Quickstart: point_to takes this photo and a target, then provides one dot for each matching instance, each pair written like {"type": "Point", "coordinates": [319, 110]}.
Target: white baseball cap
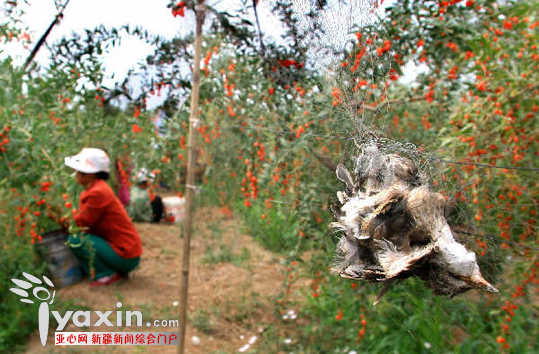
{"type": "Point", "coordinates": [144, 176]}
{"type": "Point", "coordinates": [89, 160]}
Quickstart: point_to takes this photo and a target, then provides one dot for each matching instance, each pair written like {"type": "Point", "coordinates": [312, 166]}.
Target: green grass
{"type": "Point", "coordinates": [216, 231]}
{"type": "Point", "coordinates": [224, 254]}
{"type": "Point", "coordinates": [278, 232]}
{"type": "Point", "coordinates": [243, 309]}
{"type": "Point", "coordinates": [202, 321]}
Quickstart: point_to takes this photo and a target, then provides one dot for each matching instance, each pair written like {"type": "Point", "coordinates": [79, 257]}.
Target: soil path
{"type": "Point", "coordinates": [233, 285]}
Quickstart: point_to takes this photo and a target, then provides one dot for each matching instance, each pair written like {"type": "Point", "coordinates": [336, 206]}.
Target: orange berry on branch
{"type": "Point", "coordinates": [362, 332]}
{"type": "Point", "coordinates": [339, 315]}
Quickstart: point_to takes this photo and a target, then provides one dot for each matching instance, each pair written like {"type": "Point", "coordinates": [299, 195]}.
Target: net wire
{"type": "Point", "coordinates": [339, 21]}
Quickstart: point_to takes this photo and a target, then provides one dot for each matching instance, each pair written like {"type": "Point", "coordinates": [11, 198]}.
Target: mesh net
{"type": "Point", "coordinates": [365, 121]}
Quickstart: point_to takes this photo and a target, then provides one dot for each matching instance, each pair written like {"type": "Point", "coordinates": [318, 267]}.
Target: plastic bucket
{"type": "Point", "coordinates": [174, 209]}
{"type": "Point", "coordinates": [61, 263]}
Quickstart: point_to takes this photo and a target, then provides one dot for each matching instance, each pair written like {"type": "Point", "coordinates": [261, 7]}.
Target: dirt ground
{"type": "Point", "coordinates": [229, 302]}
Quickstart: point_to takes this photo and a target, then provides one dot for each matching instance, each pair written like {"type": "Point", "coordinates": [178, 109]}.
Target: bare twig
{"type": "Point", "coordinates": [262, 47]}
{"type": "Point", "coordinates": [39, 43]}
{"type": "Point", "coordinates": [326, 161]}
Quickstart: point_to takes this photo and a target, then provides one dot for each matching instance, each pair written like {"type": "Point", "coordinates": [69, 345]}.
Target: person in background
{"type": "Point", "coordinates": [110, 246]}
{"type": "Point", "coordinates": [144, 205]}
{"type": "Point", "coordinates": [123, 173]}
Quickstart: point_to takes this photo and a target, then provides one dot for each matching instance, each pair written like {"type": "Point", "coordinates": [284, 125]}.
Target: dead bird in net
{"type": "Point", "coordinates": [394, 227]}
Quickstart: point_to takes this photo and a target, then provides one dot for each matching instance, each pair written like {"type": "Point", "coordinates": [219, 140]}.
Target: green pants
{"type": "Point", "coordinates": [94, 252]}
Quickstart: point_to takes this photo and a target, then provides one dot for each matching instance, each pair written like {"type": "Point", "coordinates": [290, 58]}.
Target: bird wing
{"type": "Point", "coordinates": [358, 271]}
{"type": "Point", "coordinates": [395, 262]}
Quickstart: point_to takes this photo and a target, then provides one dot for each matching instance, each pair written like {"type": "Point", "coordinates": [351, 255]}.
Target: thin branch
{"type": "Point", "coordinates": [39, 43]}
{"type": "Point", "coordinates": [326, 161]}
{"type": "Point", "coordinates": [262, 47]}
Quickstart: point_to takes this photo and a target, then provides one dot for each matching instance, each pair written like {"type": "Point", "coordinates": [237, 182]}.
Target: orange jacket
{"type": "Point", "coordinates": [104, 215]}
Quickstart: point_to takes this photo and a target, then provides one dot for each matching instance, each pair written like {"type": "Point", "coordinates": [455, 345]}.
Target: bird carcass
{"type": "Point", "coordinates": [393, 227]}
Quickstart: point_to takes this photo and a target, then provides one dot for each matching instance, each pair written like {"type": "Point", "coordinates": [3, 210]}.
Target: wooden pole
{"type": "Point", "coordinates": [190, 183]}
